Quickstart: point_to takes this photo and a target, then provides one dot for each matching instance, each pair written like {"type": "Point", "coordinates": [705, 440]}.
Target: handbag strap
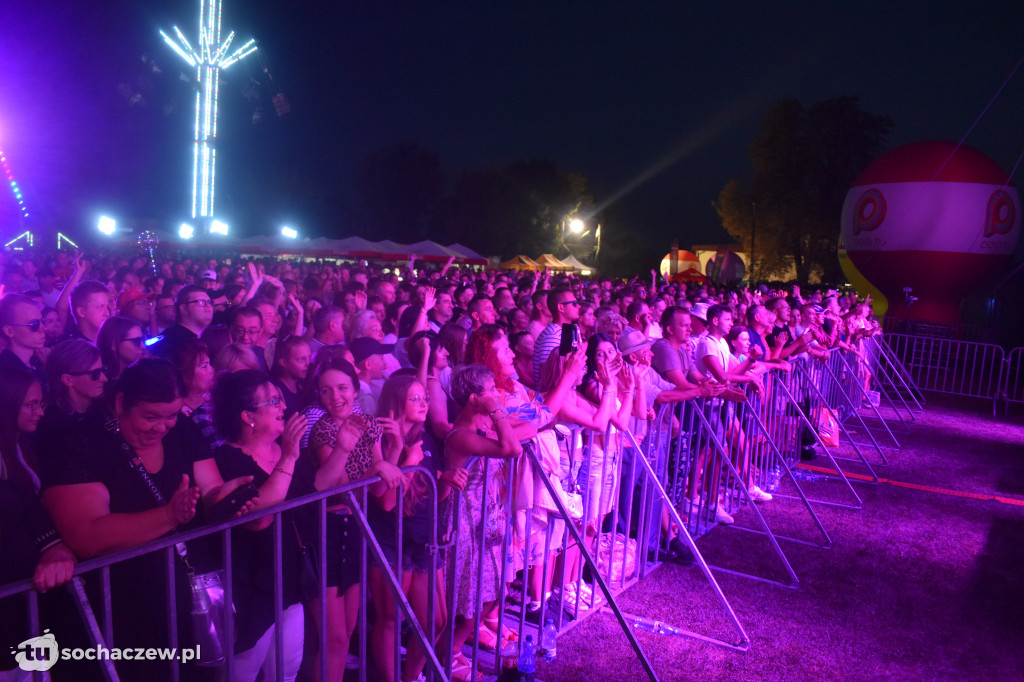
{"type": "Point", "coordinates": [136, 463]}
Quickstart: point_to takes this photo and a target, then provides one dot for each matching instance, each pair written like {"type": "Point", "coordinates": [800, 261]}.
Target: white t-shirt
{"type": "Point", "coordinates": [718, 348]}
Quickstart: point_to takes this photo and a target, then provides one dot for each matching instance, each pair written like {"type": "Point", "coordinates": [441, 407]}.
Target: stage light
{"type": "Point", "coordinates": [107, 225]}
{"type": "Point", "coordinates": [289, 233]}
{"type": "Point", "coordinates": [576, 225]}
{"type": "Point", "coordinates": [186, 231]}
{"type": "Point", "coordinates": [219, 227]}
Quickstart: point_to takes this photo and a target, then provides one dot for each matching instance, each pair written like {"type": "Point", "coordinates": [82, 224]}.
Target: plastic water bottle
{"type": "Point", "coordinates": [548, 638]}
{"type": "Point", "coordinates": [527, 664]}
{"type": "Point", "coordinates": [774, 477]}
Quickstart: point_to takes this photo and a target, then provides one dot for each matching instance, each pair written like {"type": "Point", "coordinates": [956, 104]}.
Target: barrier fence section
{"type": "Point", "coordinates": [101, 632]}
{"type": "Point", "coordinates": [561, 531]}
{"type": "Point", "coordinates": [961, 368]}
{"type": "Point", "coordinates": [1013, 387]}
{"type": "Point", "coordinates": [891, 379]}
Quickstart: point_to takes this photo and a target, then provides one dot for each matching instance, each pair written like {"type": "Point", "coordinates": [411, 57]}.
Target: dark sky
{"type": "Point", "coordinates": [611, 90]}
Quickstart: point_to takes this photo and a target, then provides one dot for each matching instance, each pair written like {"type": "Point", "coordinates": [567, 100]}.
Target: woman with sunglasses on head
{"type": "Point", "coordinates": [248, 412]}
{"type": "Point", "coordinates": [347, 447]}
{"type": "Point", "coordinates": [120, 343]}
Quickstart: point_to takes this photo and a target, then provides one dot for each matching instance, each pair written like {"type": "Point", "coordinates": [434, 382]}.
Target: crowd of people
{"type": "Point", "coordinates": [140, 399]}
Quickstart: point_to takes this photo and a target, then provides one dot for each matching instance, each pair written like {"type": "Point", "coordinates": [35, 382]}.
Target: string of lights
{"type": "Point", "coordinates": [15, 189]}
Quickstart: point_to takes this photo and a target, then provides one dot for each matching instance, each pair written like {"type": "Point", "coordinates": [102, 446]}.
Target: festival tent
{"type": "Point", "coordinates": [520, 262]}
{"type": "Point", "coordinates": [571, 261]}
{"type": "Point", "coordinates": [354, 247]}
{"type": "Point", "coordinates": [467, 253]}
{"type": "Point", "coordinates": [551, 263]}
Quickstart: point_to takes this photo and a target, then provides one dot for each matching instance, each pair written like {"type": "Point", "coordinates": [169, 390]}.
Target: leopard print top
{"type": "Point", "coordinates": [359, 461]}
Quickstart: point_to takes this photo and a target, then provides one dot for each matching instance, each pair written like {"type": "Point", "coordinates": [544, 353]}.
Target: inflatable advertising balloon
{"type": "Point", "coordinates": [931, 221]}
{"type": "Point", "coordinates": [681, 266]}
{"type": "Point", "coordinates": [726, 268]}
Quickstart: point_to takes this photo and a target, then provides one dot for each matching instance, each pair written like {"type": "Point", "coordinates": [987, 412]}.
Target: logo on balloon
{"type": "Point", "coordinates": [1000, 215]}
{"type": "Point", "coordinates": [869, 212]}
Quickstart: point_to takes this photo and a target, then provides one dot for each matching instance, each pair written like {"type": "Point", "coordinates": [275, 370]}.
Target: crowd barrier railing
{"type": "Point", "coordinates": [696, 455]}
{"type": "Point", "coordinates": [557, 550]}
{"type": "Point", "coordinates": [963, 368]}
{"type": "Point", "coordinates": [101, 632]}
{"type": "Point", "coordinates": [1013, 383]}
{"type": "Point", "coordinates": [891, 379]}
{"type": "Point", "coordinates": [853, 371]}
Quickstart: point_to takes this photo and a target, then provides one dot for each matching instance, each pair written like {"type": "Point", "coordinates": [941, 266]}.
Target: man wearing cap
{"type": "Point", "coordinates": [136, 305]}
{"type": "Point", "coordinates": [368, 354]}
{"type": "Point", "coordinates": [809, 329]}
{"type": "Point", "coordinates": [208, 280]}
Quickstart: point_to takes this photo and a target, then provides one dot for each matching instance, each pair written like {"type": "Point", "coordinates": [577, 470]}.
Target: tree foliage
{"type": "Point", "coordinates": [517, 209]}
{"type": "Point", "coordinates": [398, 190]}
{"type": "Point", "coordinates": [804, 161]}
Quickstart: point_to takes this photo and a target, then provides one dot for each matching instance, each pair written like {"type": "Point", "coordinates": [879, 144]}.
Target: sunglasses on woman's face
{"type": "Point", "coordinates": [137, 340]}
{"type": "Point", "coordinates": [93, 374]}
{"type": "Point", "coordinates": [33, 326]}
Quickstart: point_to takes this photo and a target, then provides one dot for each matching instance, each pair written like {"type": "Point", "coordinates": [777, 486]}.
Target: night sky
{"type": "Point", "coordinates": [613, 91]}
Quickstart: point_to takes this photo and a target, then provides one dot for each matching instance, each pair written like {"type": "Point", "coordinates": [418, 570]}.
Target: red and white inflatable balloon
{"type": "Point", "coordinates": [934, 217]}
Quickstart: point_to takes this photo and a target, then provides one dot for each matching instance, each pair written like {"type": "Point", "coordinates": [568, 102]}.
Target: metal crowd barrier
{"type": "Point", "coordinates": [695, 455]}
{"type": "Point", "coordinates": [891, 379]}
{"type": "Point", "coordinates": [100, 568]}
{"type": "Point", "coordinates": [1013, 387]}
{"type": "Point", "coordinates": [576, 549]}
{"type": "Point", "coordinates": [963, 368]}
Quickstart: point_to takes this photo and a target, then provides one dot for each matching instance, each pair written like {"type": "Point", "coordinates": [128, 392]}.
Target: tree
{"type": "Point", "coordinates": [804, 161]}
{"type": "Point", "coordinates": [398, 190]}
{"type": "Point", "coordinates": [518, 209]}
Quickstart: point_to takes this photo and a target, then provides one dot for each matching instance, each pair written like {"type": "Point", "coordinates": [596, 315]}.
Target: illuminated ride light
{"type": "Point", "coordinates": [15, 189]}
{"type": "Point", "coordinates": [186, 231]}
{"type": "Point", "coordinates": [13, 244]}
{"type": "Point", "coordinates": [63, 239]}
{"type": "Point", "coordinates": [219, 227]}
{"type": "Point", "coordinates": [289, 233]}
{"type": "Point", "coordinates": [208, 60]}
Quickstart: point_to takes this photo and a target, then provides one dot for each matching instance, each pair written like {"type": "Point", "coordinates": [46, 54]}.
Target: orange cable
{"type": "Point", "coordinates": [917, 486]}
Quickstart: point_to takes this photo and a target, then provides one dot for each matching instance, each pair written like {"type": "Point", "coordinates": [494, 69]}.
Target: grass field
{"type": "Point", "coordinates": [917, 585]}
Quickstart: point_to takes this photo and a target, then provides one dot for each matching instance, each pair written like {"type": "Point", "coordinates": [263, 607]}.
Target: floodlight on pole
{"type": "Point", "coordinates": [186, 231]}
{"type": "Point", "coordinates": [289, 233]}
{"type": "Point", "coordinates": [219, 227]}
{"type": "Point", "coordinates": [576, 225]}
{"type": "Point", "coordinates": [107, 225]}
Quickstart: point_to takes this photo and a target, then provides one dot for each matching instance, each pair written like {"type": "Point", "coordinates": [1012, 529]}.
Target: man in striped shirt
{"type": "Point", "coordinates": [564, 309]}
